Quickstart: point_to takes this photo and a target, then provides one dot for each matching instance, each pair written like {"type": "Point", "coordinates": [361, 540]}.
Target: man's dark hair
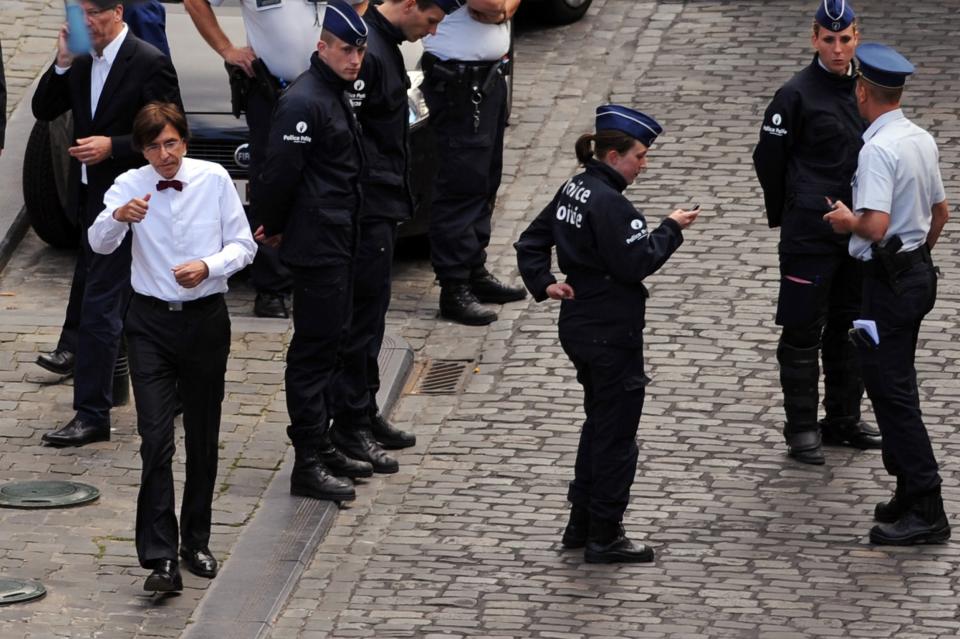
{"type": "Point", "coordinates": [105, 4]}
{"type": "Point", "coordinates": [598, 144]}
{"type": "Point", "coordinates": [153, 118]}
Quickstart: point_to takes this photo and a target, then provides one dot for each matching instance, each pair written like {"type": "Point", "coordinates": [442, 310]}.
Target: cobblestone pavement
{"type": "Point", "coordinates": [464, 540]}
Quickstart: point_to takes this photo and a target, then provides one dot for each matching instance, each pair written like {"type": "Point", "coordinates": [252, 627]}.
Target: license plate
{"type": "Point", "coordinates": [243, 189]}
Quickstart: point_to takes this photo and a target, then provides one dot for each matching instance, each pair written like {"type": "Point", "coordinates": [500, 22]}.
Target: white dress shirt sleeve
{"type": "Point", "coordinates": [876, 171]}
{"type": "Point", "coordinates": [106, 233]}
{"type": "Point", "coordinates": [238, 244]}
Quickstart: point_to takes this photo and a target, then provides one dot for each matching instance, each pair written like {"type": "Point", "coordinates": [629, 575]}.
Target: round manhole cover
{"type": "Point", "coordinates": [19, 590]}
{"type": "Point", "coordinates": [46, 494]}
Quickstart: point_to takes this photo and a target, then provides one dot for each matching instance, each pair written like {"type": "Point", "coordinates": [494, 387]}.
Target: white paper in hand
{"type": "Point", "coordinates": [870, 327]}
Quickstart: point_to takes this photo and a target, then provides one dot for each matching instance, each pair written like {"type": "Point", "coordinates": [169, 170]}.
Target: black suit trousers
{"type": "Point", "coordinates": [171, 350]}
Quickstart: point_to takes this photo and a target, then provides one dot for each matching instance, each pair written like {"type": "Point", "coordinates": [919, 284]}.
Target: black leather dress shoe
{"type": "Point", "coordinates": [200, 562]}
{"type": "Point", "coordinates": [57, 361]}
{"type": "Point", "coordinates": [164, 578]}
{"type": "Point", "coordinates": [77, 433]}
{"type": "Point", "coordinates": [852, 433]}
{"type": "Point", "coordinates": [459, 304]}
{"type": "Point", "coordinates": [270, 305]}
{"type": "Point", "coordinates": [490, 290]}
{"type": "Point", "coordinates": [358, 443]}
{"type": "Point", "coordinates": [342, 466]}
{"type": "Point", "coordinates": [608, 544]}
{"type": "Point", "coordinates": [575, 534]}
{"type": "Point", "coordinates": [388, 435]}
{"type": "Point", "coordinates": [804, 445]}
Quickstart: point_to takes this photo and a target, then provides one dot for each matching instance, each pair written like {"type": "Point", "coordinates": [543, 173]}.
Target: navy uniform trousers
{"type": "Point", "coordinates": [890, 375]}
{"type": "Point", "coordinates": [355, 393]}
{"type": "Point", "coordinates": [471, 165]}
{"type": "Point", "coordinates": [613, 392]}
{"type": "Point", "coordinates": [171, 350]}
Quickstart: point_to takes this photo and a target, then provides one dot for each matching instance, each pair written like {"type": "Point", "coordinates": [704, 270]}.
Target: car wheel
{"type": "Point", "coordinates": [565, 11]}
{"type": "Point", "coordinates": [43, 192]}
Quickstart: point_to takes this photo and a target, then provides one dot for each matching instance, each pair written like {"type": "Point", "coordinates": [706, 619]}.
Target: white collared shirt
{"type": "Point", "coordinates": [898, 172]}
{"type": "Point", "coordinates": [204, 221]}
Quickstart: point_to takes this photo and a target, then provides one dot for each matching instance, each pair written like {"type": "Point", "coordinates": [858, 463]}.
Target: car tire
{"type": "Point", "coordinates": [565, 11]}
{"type": "Point", "coordinates": [42, 192]}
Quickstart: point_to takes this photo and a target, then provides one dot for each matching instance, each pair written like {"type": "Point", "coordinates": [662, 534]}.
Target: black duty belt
{"type": "Point", "coordinates": [460, 67]}
{"type": "Point", "coordinates": [189, 305]}
{"type": "Point", "coordinates": [901, 262]}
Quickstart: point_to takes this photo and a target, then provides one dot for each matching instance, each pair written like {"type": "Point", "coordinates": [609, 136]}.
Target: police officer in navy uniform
{"type": "Point", "coordinates": [900, 210]}
{"type": "Point", "coordinates": [311, 179]}
{"type": "Point", "coordinates": [379, 97]}
{"type": "Point", "coordinates": [606, 249]}
{"type": "Point", "coordinates": [466, 92]}
{"type": "Point", "coordinates": [808, 150]}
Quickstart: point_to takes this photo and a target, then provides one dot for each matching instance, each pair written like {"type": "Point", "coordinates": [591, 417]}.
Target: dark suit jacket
{"type": "Point", "coordinates": [140, 74]}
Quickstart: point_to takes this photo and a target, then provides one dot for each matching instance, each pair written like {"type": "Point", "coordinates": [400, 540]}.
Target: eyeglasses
{"type": "Point", "coordinates": [168, 145]}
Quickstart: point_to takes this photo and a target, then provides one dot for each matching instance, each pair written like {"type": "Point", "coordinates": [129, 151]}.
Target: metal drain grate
{"type": "Point", "coordinates": [440, 377]}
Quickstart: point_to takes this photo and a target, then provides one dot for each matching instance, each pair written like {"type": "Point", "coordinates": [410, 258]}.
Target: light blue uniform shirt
{"type": "Point", "coordinates": [898, 172]}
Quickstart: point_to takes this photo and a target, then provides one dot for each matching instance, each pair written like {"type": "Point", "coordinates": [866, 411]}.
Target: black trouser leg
{"type": "Point", "coordinates": [614, 382]}
{"type": "Point", "coordinates": [470, 162]}
{"type": "Point", "coordinates": [71, 320]}
{"type": "Point", "coordinates": [354, 398]}
{"type": "Point", "coordinates": [321, 310]}
{"type": "Point", "coordinates": [106, 294]}
{"type": "Point", "coordinates": [267, 273]}
{"type": "Point", "coordinates": [202, 366]}
{"type": "Point", "coordinates": [890, 376]}
{"type": "Point", "coordinates": [842, 382]}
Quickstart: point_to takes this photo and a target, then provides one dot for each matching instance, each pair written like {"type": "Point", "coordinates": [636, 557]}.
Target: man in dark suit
{"type": "Point", "coordinates": [104, 89]}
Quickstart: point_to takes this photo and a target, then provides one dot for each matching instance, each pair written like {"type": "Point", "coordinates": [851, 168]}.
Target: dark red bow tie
{"type": "Point", "coordinates": [169, 184]}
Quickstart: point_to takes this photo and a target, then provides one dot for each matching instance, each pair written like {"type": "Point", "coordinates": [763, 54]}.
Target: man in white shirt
{"type": "Point", "coordinates": [901, 208]}
{"type": "Point", "coordinates": [190, 234]}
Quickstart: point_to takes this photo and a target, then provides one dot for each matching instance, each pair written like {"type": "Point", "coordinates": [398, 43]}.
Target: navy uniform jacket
{"type": "Point", "coordinates": [379, 98]}
{"type": "Point", "coordinates": [310, 182]}
{"type": "Point", "coordinates": [605, 248]}
{"type": "Point", "coordinates": [807, 151]}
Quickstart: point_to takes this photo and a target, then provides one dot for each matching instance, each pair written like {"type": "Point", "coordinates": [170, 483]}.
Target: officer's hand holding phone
{"type": "Point", "coordinates": [685, 218]}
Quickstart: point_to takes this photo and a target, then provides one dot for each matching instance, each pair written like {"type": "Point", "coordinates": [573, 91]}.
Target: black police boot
{"type": "Point", "coordinates": [340, 465]}
{"type": "Point", "coordinates": [924, 522]}
{"type": "Point", "coordinates": [358, 443]}
{"type": "Point", "coordinates": [270, 305]}
{"type": "Point", "coordinates": [842, 394]}
{"type": "Point", "coordinates": [489, 290]}
{"type": "Point", "coordinates": [799, 375]}
{"type": "Point", "coordinates": [890, 511]}
{"type": "Point", "coordinates": [459, 304]}
{"type": "Point", "coordinates": [311, 479]}
{"type": "Point", "coordinates": [578, 528]}
{"type": "Point", "coordinates": [388, 435]}
{"type": "Point", "coordinates": [608, 544]}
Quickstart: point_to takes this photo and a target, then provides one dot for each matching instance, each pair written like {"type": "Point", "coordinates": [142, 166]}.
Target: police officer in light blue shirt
{"type": "Point", "coordinates": [900, 209]}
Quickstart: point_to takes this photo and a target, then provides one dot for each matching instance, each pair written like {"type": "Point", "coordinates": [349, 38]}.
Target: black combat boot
{"type": "Point", "coordinates": [608, 544]}
{"type": "Point", "coordinates": [358, 443]}
{"type": "Point", "coordinates": [578, 528]}
{"type": "Point", "coordinates": [890, 511]}
{"type": "Point", "coordinates": [842, 394]}
{"type": "Point", "coordinates": [799, 375]}
{"type": "Point", "coordinates": [388, 435]}
{"type": "Point", "coordinates": [459, 304]}
{"type": "Point", "coordinates": [311, 479]}
{"type": "Point", "coordinates": [340, 465]}
{"type": "Point", "coordinates": [924, 522]}
{"type": "Point", "coordinates": [489, 290]}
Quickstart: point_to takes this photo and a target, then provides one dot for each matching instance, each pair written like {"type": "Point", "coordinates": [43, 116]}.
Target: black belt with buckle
{"type": "Point", "coordinates": [189, 305]}
{"type": "Point", "coordinates": [900, 262]}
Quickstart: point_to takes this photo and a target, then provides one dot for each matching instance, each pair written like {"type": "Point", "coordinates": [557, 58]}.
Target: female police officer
{"type": "Point", "coordinates": [606, 250]}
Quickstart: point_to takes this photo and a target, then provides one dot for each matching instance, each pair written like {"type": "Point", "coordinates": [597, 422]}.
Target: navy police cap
{"type": "Point", "coordinates": [343, 21]}
{"type": "Point", "coordinates": [635, 124]}
{"type": "Point", "coordinates": [882, 65]}
{"type": "Point", "coordinates": [449, 6]}
{"type": "Point", "coordinates": [835, 15]}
